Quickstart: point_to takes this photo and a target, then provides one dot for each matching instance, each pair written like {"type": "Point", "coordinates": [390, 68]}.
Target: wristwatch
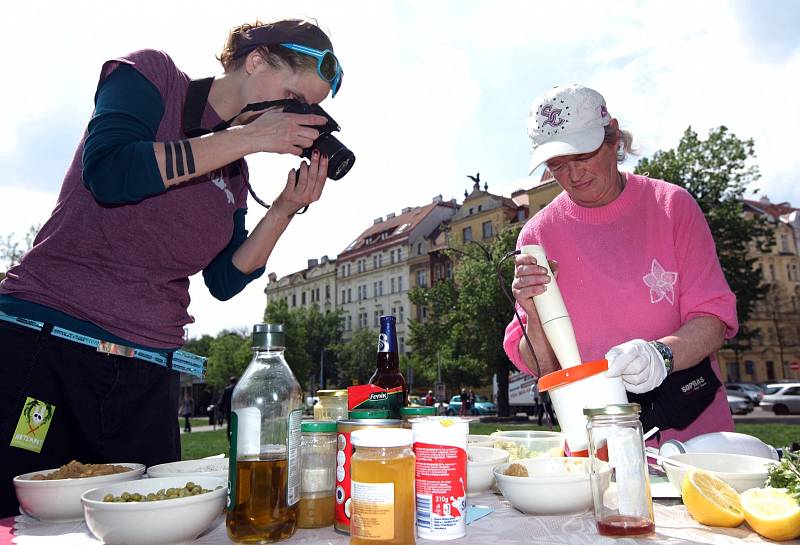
{"type": "Point", "coordinates": [666, 354]}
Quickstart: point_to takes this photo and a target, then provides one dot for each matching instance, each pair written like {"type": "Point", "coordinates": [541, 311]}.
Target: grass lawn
{"type": "Point", "coordinates": [209, 443]}
{"type": "Point", "coordinates": [194, 421]}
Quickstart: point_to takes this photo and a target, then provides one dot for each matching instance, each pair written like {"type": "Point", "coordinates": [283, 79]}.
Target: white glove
{"type": "Point", "coordinates": [639, 364]}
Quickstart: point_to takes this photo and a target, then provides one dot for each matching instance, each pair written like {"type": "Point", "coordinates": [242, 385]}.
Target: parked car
{"type": "Point", "coordinates": [482, 406]}
{"type": "Point", "coordinates": [747, 389]}
{"type": "Point", "coordinates": [739, 404]}
{"type": "Point", "coordinates": [782, 398]}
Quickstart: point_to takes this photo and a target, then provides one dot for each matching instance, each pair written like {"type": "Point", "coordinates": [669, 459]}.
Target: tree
{"type": "Point", "coordinates": [201, 346]}
{"type": "Point", "coordinates": [468, 316]}
{"type": "Point", "coordinates": [12, 250]}
{"type": "Point", "coordinates": [228, 356]}
{"type": "Point", "coordinates": [309, 332]}
{"type": "Point", "coordinates": [356, 358]}
{"type": "Point", "coordinates": [717, 171]}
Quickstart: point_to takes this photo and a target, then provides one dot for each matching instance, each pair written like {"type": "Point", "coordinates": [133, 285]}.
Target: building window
{"type": "Point", "coordinates": [449, 270]}
{"type": "Point", "coordinates": [421, 279]}
{"type": "Point", "coordinates": [470, 211]}
{"type": "Point", "coordinates": [400, 318]}
{"type": "Point", "coordinates": [400, 284]}
{"type": "Point", "coordinates": [391, 285]}
{"type": "Point", "coordinates": [391, 256]}
{"type": "Point", "coordinates": [772, 271]}
{"type": "Point", "coordinates": [349, 295]}
{"type": "Point", "coordinates": [380, 287]}
{"type": "Point", "coordinates": [770, 370]}
{"type": "Point", "coordinates": [344, 296]}
{"type": "Point", "coordinates": [327, 292]}
{"type": "Point", "coordinates": [317, 294]}
{"type": "Point", "coordinates": [467, 233]}
{"type": "Point", "coordinates": [487, 229]}
{"type": "Point", "coordinates": [303, 298]}
{"type": "Point", "coordinates": [480, 207]}
{"type": "Point", "coordinates": [520, 214]}
{"type": "Point", "coordinates": [419, 248]}
{"type": "Point", "coordinates": [733, 371]}
{"type": "Point", "coordinates": [380, 260]}
{"type": "Point", "coordinates": [394, 312]}
{"type": "Point", "coordinates": [784, 244]}
{"type": "Point", "coordinates": [377, 321]}
{"type": "Point", "coordinates": [402, 344]}
{"type": "Point", "coordinates": [749, 368]}
{"type": "Point", "coordinates": [399, 254]}
{"type": "Point", "coordinates": [294, 299]}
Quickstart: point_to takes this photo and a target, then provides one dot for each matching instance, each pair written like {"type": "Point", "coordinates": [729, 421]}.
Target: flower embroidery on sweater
{"type": "Point", "coordinates": [661, 283]}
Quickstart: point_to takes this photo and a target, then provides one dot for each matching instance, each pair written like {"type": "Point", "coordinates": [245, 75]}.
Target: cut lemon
{"type": "Point", "coordinates": [710, 500]}
{"type": "Point", "coordinates": [772, 513]}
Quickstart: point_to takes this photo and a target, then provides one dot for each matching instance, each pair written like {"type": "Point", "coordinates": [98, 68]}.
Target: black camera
{"type": "Point", "coordinates": [340, 159]}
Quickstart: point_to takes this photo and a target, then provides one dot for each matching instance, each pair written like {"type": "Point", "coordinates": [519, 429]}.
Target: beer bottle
{"type": "Point", "coordinates": [264, 470]}
{"type": "Point", "coordinates": [387, 374]}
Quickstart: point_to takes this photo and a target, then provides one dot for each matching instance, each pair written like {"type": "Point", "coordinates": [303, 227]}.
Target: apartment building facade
{"type": "Point", "coordinates": [314, 285]}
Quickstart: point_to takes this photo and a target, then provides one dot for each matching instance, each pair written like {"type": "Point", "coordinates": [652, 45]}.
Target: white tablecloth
{"type": "Point", "coordinates": [505, 526]}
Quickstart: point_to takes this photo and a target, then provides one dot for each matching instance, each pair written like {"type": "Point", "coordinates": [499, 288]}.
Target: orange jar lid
{"type": "Point", "coordinates": [571, 374]}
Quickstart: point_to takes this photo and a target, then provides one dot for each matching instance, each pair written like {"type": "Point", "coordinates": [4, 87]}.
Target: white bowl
{"type": "Point", "coordinates": [59, 500]}
{"type": "Point", "coordinates": [481, 462]}
{"type": "Point", "coordinates": [529, 444]}
{"type": "Point", "coordinates": [208, 467]}
{"type": "Point", "coordinates": [738, 470]}
{"type": "Point", "coordinates": [555, 486]}
{"type": "Point", "coordinates": [164, 522]}
{"type": "Point", "coordinates": [479, 441]}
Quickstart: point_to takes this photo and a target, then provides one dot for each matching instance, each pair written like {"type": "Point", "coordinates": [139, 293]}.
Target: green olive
{"type": "Point", "coordinates": [191, 489]}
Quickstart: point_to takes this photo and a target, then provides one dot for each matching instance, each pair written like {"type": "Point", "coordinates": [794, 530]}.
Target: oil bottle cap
{"type": "Point", "coordinates": [382, 437]}
{"type": "Point", "coordinates": [268, 336]}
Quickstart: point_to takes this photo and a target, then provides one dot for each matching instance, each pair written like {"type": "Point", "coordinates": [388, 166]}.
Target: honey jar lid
{"type": "Point", "coordinates": [382, 437]}
{"type": "Point", "coordinates": [331, 393]}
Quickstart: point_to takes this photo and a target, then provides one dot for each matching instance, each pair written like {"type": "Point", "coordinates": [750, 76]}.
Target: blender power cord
{"type": "Point", "coordinates": [513, 303]}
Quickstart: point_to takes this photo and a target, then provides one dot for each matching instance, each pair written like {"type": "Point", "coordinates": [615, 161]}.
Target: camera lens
{"type": "Point", "coordinates": [340, 159]}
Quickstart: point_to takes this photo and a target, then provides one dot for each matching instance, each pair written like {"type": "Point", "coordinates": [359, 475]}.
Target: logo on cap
{"type": "Point", "coordinates": [552, 116]}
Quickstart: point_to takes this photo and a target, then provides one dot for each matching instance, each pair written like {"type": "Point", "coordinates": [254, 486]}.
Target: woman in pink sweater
{"type": "Point", "coordinates": [637, 268]}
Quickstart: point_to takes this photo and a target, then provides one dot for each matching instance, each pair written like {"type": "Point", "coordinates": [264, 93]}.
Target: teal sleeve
{"type": "Point", "coordinates": [119, 164]}
{"type": "Point", "coordinates": [221, 276]}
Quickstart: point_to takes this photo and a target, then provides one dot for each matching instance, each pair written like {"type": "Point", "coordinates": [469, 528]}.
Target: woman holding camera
{"type": "Point", "coordinates": [91, 318]}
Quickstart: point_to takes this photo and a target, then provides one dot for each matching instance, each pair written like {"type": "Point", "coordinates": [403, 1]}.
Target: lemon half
{"type": "Point", "coordinates": [710, 500]}
{"type": "Point", "coordinates": [772, 513]}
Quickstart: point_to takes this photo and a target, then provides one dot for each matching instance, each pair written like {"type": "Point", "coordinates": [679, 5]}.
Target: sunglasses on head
{"type": "Point", "coordinates": [328, 66]}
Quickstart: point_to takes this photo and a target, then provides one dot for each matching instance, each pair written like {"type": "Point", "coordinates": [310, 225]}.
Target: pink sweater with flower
{"type": "Point", "coordinates": [637, 268]}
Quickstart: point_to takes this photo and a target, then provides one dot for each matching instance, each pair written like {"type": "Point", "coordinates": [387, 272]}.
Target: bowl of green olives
{"type": "Point", "coordinates": [163, 511]}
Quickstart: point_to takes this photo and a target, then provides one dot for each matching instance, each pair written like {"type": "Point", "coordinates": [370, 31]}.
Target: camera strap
{"type": "Point", "coordinates": [194, 106]}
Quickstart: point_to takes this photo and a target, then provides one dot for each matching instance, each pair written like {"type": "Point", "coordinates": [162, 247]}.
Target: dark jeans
{"type": "Point", "coordinates": [107, 408]}
{"type": "Point", "coordinates": [187, 426]}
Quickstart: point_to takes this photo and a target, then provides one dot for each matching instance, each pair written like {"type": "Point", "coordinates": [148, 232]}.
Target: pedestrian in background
{"type": "Point", "coordinates": [187, 411]}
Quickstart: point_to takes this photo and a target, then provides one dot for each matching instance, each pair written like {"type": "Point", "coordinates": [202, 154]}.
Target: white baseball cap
{"type": "Point", "coordinates": [566, 120]}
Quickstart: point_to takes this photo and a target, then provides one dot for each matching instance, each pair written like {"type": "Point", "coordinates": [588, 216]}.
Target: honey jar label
{"type": "Point", "coordinates": [373, 511]}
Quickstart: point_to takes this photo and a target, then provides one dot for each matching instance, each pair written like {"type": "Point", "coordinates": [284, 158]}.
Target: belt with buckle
{"type": "Point", "coordinates": [184, 362]}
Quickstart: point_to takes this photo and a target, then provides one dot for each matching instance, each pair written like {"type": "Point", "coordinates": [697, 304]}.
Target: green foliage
{"type": "Point", "coordinates": [467, 316]}
{"type": "Point", "coordinates": [201, 346]}
{"type": "Point", "coordinates": [786, 474]}
{"type": "Point", "coordinates": [356, 358]}
{"type": "Point", "coordinates": [308, 332]}
{"type": "Point", "coordinates": [717, 171]}
{"type": "Point", "coordinates": [228, 355]}
{"type": "Point", "coordinates": [12, 249]}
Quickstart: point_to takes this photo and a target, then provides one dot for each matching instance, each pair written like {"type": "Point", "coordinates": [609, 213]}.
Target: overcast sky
{"type": "Point", "coordinates": [433, 91]}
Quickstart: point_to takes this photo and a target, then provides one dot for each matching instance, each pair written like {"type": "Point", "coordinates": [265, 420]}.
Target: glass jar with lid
{"type": "Point", "coordinates": [332, 405]}
{"type": "Point", "coordinates": [383, 496]}
{"type": "Point", "coordinates": [617, 455]}
{"type": "Point", "coordinates": [318, 474]}
{"type": "Point", "coordinates": [407, 414]}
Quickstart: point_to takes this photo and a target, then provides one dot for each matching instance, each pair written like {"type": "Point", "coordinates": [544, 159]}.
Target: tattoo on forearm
{"type": "Point", "coordinates": [183, 158]}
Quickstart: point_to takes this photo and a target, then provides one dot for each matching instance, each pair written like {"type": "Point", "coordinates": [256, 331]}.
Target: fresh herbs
{"type": "Point", "coordinates": [786, 474]}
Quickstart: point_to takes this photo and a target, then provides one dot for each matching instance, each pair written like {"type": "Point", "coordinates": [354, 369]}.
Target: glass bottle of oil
{"type": "Point", "coordinates": [264, 474]}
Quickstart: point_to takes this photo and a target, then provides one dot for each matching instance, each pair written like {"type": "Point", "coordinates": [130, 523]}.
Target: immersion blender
{"type": "Point", "coordinates": [576, 386]}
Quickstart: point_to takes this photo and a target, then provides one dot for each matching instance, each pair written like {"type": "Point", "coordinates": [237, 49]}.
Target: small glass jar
{"type": "Point", "coordinates": [383, 496]}
{"type": "Point", "coordinates": [407, 414]}
{"type": "Point", "coordinates": [332, 405]}
{"type": "Point", "coordinates": [616, 455]}
{"type": "Point", "coordinates": [318, 475]}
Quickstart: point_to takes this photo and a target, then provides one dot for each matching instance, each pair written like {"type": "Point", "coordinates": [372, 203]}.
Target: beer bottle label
{"type": "Point", "coordinates": [387, 340]}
